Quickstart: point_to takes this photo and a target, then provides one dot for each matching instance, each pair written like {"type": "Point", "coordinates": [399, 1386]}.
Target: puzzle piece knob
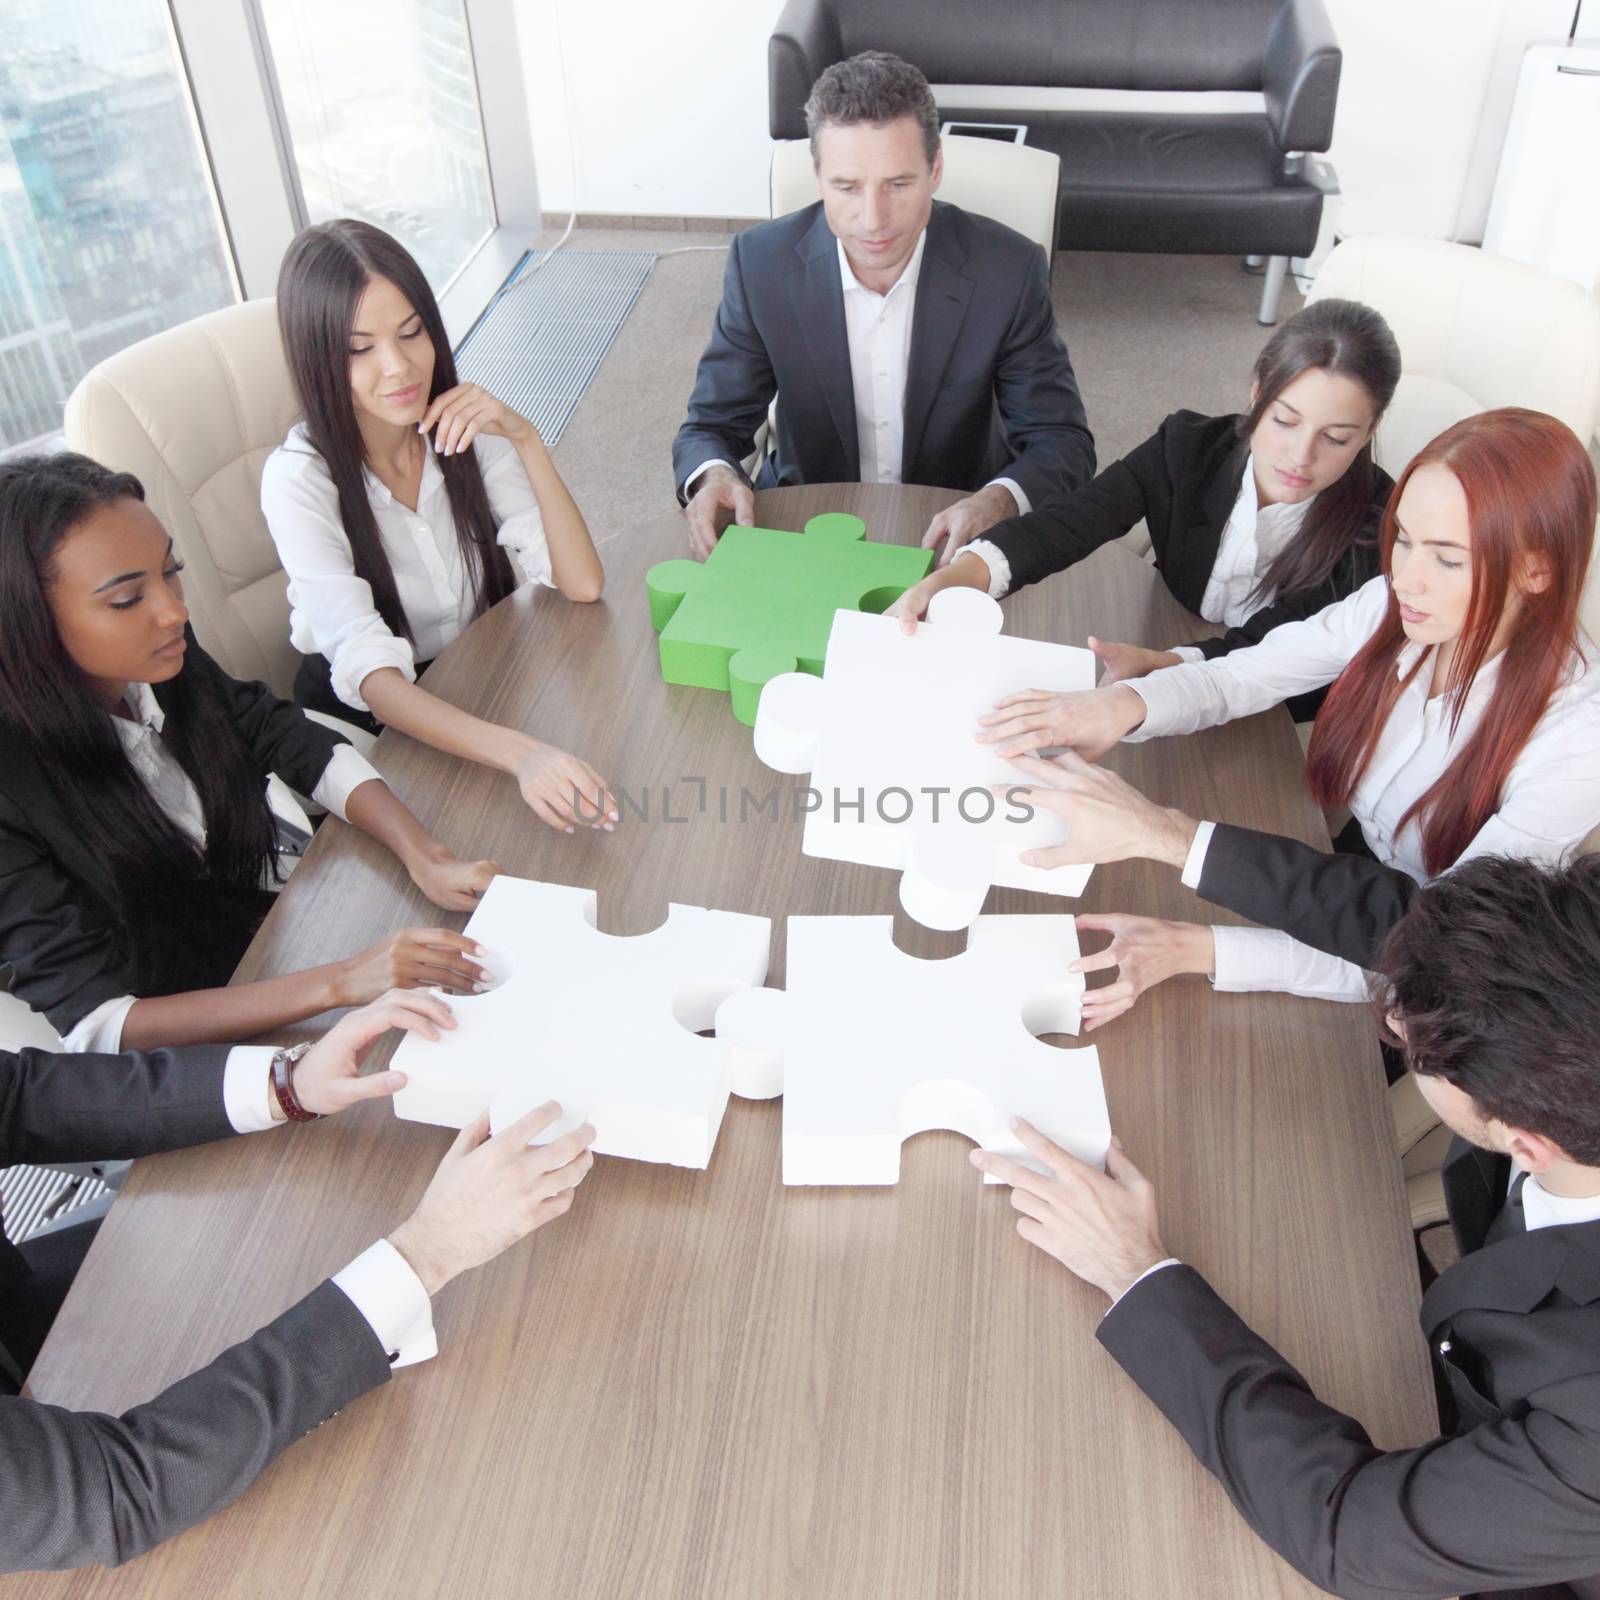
{"type": "Point", "coordinates": [949, 875]}
{"type": "Point", "coordinates": [789, 722]}
{"type": "Point", "coordinates": [749, 672]}
{"type": "Point", "coordinates": [836, 527]}
{"type": "Point", "coordinates": [666, 583]}
{"type": "Point", "coordinates": [751, 1024]}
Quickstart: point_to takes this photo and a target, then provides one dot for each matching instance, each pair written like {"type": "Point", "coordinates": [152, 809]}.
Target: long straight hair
{"type": "Point", "coordinates": [1346, 340]}
{"type": "Point", "coordinates": [1530, 493]}
{"type": "Point", "coordinates": [46, 703]}
{"type": "Point", "coordinates": [322, 279]}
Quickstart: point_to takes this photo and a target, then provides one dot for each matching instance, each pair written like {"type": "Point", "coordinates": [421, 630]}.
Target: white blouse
{"type": "Point", "coordinates": [1550, 801]}
{"type": "Point", "coordinates": [332, 611]}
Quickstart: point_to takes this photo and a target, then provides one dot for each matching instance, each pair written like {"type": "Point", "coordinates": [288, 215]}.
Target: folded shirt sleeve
{"type": "Point", "coordinates": [1260, 960]}
{"type": "Point", "coordinates": [516, 509]}
{"type": "Point", "coordinates": [346, 771]}
{"type": "Point", "coordinates": [994, 558]}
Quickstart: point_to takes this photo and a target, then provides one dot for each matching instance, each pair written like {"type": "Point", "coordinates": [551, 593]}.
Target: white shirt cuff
{"type": "Point", "coordinates": [247, 1088]}
{"type": "Point", "coordinates": [994, 558]}
{"type": "Point", "coordinates": [1195, 862]}
{"type": "Point", "coordinates": [101, 1030]}
{"type": "Point", "coordinates": [345, 772]}
{"type": "Point", "coordinates": [384, 1289]}
{"type": "Point", "coordinates": [1171, 1261]}
{"type": "Point", "coordinates": [1186, 652]}
{"type": "Point", "coordinates": [706, 466]}
{"type": "Point", "coordinates": [1024, 504]}
{"type": "Point", "coordinates": [522, 538]}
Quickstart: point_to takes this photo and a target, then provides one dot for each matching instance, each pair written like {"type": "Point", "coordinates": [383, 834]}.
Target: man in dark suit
{"type": "Point", "coordinates": [908, 341]}
{"type": "Point", "coordinates": [1489, 978]}
{"type": "Point", "coordinates": [82, 1487]}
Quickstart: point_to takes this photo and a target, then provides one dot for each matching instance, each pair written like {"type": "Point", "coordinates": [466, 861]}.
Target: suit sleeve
{"type": "Point", "coordinates": [72, 1107]}
{"type": "Point", "coordinates": [1504, 1506]}
{"type": "Point", "coordinates": [733, 385]}
{"type": "Point", "coordinates": [1041, 411]}
{"type": "Point", "coordinates": [1342, 904]}
{"type": "Point", "coordinates": [83, 1487]}
{"type": "Point", "coordinates": [1056, 535]}
{"type": "Point", "coordinates": [281, 736]}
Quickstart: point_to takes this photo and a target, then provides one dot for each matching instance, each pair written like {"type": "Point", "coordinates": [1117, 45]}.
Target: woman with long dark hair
{"type": "Point", "coordinates": [405, 504]}
{"type": "Point", "coordinates": [136, 844]}
{"type": "Point", "coordinates": [1255, 519]}
{"type": "Point", "coordinates": [1463, 717]}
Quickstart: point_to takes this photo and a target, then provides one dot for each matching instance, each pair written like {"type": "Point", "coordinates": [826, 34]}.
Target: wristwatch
{"type": "Point", "coordinates": [283, 1065]}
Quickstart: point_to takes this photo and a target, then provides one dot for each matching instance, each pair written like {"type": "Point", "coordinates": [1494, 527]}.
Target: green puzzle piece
{"type": "Point", "coordinates": [763, 602]}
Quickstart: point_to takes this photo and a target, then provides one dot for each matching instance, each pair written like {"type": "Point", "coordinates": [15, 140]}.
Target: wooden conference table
{"type": "Point", "coordinates": [703, 1384]}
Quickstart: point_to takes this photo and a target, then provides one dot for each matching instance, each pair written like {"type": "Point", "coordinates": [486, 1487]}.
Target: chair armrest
{"type": "Point", "coordinates": [804, 42]}
{"type": "Point", "coordinates": [1300, 76]}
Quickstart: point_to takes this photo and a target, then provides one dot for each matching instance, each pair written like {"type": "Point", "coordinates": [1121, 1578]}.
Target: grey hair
{"type": "Point", "coordinates": [873, 87]}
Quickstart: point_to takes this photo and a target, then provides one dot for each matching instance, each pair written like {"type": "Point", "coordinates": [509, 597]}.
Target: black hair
{"type": "Point", "coordinates": [1494, 976]}
{"type": "Point", "coordinates": [1348, 340]}
{"type": "Point", "coordinates": [324, 273]}
{"type": "Point", "coordinates": [48, 704]}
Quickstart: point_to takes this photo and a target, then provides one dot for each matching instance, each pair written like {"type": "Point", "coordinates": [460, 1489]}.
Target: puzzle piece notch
{"type": "Point", "coordinates": [762, 602]}
{"type": "Point", "coordinates": [897, 715]}
{"type": "Point", "coordinates": [605, 1024]}
{"type": "Point", "coordinates": [870, 1046]}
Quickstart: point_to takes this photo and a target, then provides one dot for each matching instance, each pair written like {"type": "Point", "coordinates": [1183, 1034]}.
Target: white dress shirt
{"type": "Point", "coordinates": [878, 336]}
{"type": "Point", "coordinates": [379, 1282]}
{"type": "Point", "coordinates": [1550, 801]}
{"type": "Point", "coordinates": [171, 789]}
{"type": "Point", "coordinates": [332, 611]}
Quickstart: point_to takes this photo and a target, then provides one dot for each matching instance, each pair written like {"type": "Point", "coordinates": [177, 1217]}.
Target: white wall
{"type": "Point", "coordinates": [660, 106]}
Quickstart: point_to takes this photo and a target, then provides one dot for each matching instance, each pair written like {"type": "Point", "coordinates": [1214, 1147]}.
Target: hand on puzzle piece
{"type": "Point", "coordinates": [564, 791]}
{"type": "Point", "coordinates": [1100, 1226]}
{"type": "Point", "coordinates": [719, 497]}
{"type": "Point", "coordinates": [1145, 951]}
{"type": "Point", "coordinates": [956, 526]}
{"type": "Point", "coordinates": [328, 1077]}
{"type": "Point", "coordinates": [1107, 818]}
{"type": "Point", "coordinates": [414, 958]}
{"type": "Point", "coordinates": [970, 572]}
{"type": "Point", "coordinates": [1089, 721]}
{"type": "Point", "coordinates": [490, 1192]}
{"type": "Point", "coordinates": [1119, 662]}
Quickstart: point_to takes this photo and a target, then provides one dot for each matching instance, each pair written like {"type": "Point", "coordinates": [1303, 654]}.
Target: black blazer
{"type": "Point", "coordinates": [58, 932]}
{"type": "Point", "coordinates": [82, 1487]}
{"type": "Point", "coordinates": [989, 390]}
{"type": "Point", "coordinates": [1183, 482]}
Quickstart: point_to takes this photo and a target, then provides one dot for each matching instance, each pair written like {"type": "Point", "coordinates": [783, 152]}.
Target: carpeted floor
{"type": "Point", "coordinates": [1147, 334]}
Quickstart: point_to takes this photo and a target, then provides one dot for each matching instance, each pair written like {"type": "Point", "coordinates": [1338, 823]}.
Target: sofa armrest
{"type": "Point", "coordinates": [1300, 76]}
{"type": "Point", "coordinates": [804, 43]}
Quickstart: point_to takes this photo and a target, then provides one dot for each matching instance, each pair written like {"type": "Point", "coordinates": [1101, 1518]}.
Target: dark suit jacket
{"type": "Point", "coordinates": [989, 390]}
{"type": "Point", "coordinates": [58, 931]}
{"type": "Point", "coordinates": [1183, 482]}
{"type": "Point", "coordinates": [82, 1487]}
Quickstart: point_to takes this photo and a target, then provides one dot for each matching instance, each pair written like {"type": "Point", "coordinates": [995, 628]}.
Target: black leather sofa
{"type": "Point", "coordinates": [1184, 182]}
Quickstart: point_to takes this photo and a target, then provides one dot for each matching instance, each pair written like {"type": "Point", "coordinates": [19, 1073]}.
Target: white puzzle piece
{"type": "Point", "coordinates": [869, 1045]}
{"type": "Point", "coordinates": [893, 723]}
{"type": "Point", "coordinates": [607, 1025]}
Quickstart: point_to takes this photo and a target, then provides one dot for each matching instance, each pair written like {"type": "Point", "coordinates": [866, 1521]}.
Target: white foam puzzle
{"type": "Point", "coordinates": [893, 723]}
{"type": "Point", "coordinates": [606, 1025]}
{"type": "Point", "coordinates": [869, 1045]}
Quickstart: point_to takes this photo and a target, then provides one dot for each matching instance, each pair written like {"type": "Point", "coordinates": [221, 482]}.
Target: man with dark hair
{"type": "Point", "coordinates": [1490, 983]}
{"type": "Point", "coordinates": [910, 341]}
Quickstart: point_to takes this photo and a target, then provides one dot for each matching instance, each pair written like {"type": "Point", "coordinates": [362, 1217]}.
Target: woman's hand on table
{"type": "Point", "coordinates": [967, 571]}
{"type": "Point", "coordinates": [1119, 662]}
{"type": "Point", "coordinates": [414, 958]}
{"type": "Point", "coordinates": [1089, 721]}
{"type": "Point", "coordinates": [563, 790]}
{"type": "Point", "coordinates": [453, 885]}
{"type": "Point", "coordinates": [1145, 951]}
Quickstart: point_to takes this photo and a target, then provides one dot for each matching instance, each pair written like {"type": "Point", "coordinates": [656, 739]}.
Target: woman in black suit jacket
{"type": "Point", "coordinates": [1254, 519]}
{"type": "Point", "coordinates": [136, 843]}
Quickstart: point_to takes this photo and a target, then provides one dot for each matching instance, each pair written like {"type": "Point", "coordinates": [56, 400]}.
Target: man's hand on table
{"type": "Point", "coordinates": [957, 526]}
{"type": "Point", "coordinates": [720, 496]}
{"type": "Point", "coordinates": [1100, 1226]}
{"type": "Point", "coordinates": [1107, 818]}
{"type": "Point", "coordinates": [490, 1192]}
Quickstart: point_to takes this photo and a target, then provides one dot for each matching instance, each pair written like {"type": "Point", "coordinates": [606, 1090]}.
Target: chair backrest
{"type": "Point", "coordinates": [1476, 331]}
{"type": "Point", "coordinates": [1012, 183]}
{"type": "Point", "coordinates": [194, 413]}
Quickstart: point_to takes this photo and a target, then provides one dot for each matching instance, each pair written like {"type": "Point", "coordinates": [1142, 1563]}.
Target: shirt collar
{"type": "Point", "coordinates": [148, 717]}
{"type": "Point", "coordinates": [907, 279]}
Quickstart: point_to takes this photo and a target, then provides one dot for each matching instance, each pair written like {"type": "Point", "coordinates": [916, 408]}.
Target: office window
{"type": "Point", "coordinates": [381, 105]}
{"type": "Point", "coordinates": [108, 228]}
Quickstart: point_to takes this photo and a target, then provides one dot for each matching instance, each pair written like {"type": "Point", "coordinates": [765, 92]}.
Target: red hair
{"type": "Point", "coordinates": [1530, 492]}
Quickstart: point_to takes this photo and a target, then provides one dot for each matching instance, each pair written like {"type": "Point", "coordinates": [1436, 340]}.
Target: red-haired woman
{"type": "Point", "coordinates": [1464, 713]}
